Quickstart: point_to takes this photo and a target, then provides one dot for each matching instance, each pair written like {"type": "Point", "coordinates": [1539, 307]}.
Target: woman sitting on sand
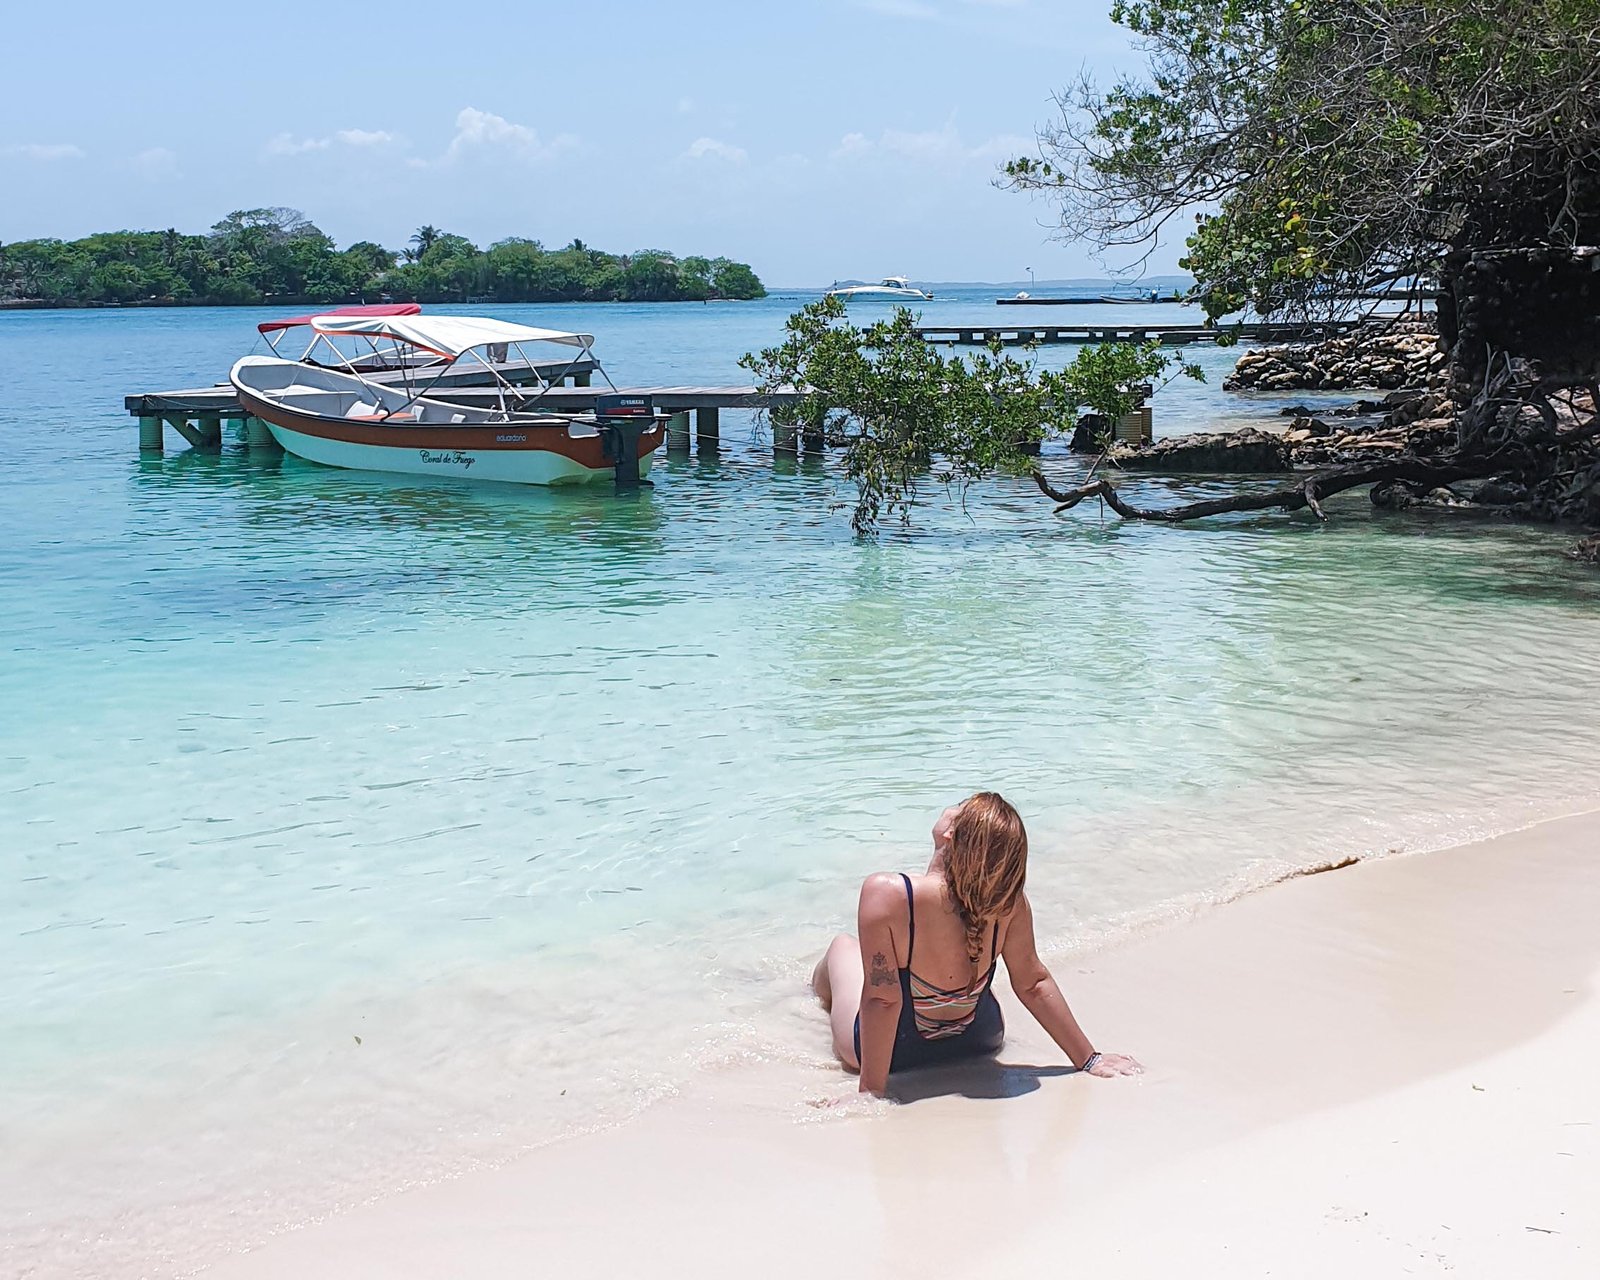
{"type": "Point", "coordinates": [953, 924]}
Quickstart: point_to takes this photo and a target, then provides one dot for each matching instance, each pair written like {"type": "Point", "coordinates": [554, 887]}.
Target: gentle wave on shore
{"type": "Point", "coordinates": [357, 831]}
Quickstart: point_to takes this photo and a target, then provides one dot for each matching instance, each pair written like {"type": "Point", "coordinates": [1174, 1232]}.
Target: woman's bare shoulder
{"type": "Point", "coordinates": [883, 895]}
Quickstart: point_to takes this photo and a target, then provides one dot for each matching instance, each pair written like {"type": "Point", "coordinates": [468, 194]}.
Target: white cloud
{"type": "Point", "coordinates": [715, 148]}
{"type": "Point", "coordinates": [365, 137]}
{"type": "Point", "coordinates": [476, 128]}
{"type": "Point", "coordinates": [154, 163]}
{"type": "Point", "coordinates": [285, 144]}
{"type": "Point", "coordinates": [44, 151]}
{"type": "Point", "coordinates": [478, 131]}
{"type": "Point", "coordinates": [852, 144]}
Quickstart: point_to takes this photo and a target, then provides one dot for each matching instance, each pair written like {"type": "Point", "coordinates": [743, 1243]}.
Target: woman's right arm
{"type": "Point", "coordinates": [883, 900]}
{"type": "Point", "coordinates": [1040, 996]}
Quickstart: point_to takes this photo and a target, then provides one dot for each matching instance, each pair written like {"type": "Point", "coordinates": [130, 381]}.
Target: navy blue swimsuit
{"type": "Point", "coordinates": [920, 1041]}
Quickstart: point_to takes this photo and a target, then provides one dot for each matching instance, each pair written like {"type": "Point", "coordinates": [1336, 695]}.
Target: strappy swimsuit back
{"type": "Point", "coordinates": [939, 1025]}
{"type": "Point", "coordinates": [940, 1013]}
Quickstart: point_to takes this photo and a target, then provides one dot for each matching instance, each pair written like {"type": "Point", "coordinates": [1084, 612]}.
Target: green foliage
{"type": "Point", "coordinates": [1334, 145]}
{"type": "Point", "coordinates": [906, 413]}
{"type": "Point", "coordinates": [260, 255]}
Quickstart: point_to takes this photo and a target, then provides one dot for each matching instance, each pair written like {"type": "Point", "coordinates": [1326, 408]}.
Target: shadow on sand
{"type": "Point", "coordinates": [979, 1078]}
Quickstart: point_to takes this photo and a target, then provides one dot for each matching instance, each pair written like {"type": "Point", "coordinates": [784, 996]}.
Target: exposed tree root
{"type": "Point", "coordinates": [1307, 493]}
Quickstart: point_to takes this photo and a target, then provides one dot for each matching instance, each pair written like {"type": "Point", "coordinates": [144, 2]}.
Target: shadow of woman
{"type": "Point", "coordinates": [977, 1078]}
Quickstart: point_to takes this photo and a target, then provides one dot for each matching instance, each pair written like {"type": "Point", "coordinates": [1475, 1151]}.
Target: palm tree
{"type": "Point", "coordinates": [425, 238]}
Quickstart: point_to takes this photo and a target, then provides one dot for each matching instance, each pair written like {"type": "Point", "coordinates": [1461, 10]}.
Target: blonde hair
{"type": "Point", "coordinates": [985, 867]}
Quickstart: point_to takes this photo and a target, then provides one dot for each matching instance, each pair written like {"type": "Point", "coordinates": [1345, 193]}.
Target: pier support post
{"type": "Point", "coordinates": [256, 435]}
{"type": "Point", "coordinates": [210, 430]}
{"type": "Point", "coordinates": [678, 432]}
{"type": "Point", "coordinates": [783, 438]}
{"type": "Point", "coordinates": [708, 429]}
{"type": "Point", "coordinates": [181, 425]}
{"type": "Point", "coordinates": [582, 379]}
{"type": "Point", "coordinates": [150, 440]}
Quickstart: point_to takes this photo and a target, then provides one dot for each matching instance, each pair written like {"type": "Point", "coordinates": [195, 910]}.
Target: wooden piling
{"type": "Point", "coordinates": [256, 435]}
{"type": "Point", "coordinates": [582, 378]}
{"type": "Point", "coordinates": [191, 434]}
{"type": "Point", "coordinates": [150, 434]}
{"type": "Point", "coordinates": [678, 432]}
{"type": "Point", "coordinates": [708, 428]}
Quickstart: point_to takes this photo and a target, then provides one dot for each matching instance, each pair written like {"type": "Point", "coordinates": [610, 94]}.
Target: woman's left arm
{"type": "Point", "coordinates": [1037, 989]}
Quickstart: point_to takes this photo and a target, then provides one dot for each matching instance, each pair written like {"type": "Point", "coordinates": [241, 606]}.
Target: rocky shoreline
{"type": "Point", "coordinates": [1415, 422]}
{"type": "Point", "coordinates": [1386, 357]}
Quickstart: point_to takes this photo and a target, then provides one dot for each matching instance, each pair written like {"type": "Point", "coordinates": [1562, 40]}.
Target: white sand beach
{"type": "Point", "coordinates": [1387, 1069]}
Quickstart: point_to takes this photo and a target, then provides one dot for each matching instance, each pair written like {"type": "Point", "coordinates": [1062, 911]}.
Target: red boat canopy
{"type": "Point", "coordinates": [373, 309]}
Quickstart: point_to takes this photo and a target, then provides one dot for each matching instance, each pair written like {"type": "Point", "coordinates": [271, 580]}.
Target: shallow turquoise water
{"type": "Point", "coordinates": [540, 792]}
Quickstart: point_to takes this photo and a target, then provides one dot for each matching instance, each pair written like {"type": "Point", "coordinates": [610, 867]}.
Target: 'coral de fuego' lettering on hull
{"type": "Point", "coordinates": [455, 458]}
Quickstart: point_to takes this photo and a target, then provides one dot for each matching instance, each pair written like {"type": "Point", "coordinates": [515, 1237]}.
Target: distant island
{"type": "Point", "coordinates": [278, 256]}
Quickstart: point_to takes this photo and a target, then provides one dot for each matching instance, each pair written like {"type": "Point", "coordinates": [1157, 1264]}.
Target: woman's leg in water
{"type": "Point", "coordinates": [837, 982]}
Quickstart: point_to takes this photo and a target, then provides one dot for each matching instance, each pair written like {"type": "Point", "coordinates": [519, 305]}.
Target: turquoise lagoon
{"type": "Point", "coordinates": [356, 830]}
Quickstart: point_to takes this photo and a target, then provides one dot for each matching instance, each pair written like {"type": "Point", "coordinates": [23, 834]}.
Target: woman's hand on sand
{"type": "Point", "coordinates": [1116, 1064]}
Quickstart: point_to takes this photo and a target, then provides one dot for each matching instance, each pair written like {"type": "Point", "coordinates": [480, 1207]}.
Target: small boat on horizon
{"type": "Point", "coordinates": [339, 417]}
{"type": "Point", "coordinates": [889, 287]}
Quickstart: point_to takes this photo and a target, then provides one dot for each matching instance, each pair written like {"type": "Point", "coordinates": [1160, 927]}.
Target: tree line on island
{"type": "Point", "coordinates": [278, 255]}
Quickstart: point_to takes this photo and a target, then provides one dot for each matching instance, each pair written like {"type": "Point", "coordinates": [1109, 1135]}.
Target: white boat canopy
{"type": "Point", "coordinates": [446, 336]}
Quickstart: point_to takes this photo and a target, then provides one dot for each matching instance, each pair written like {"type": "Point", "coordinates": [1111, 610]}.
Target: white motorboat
{"type": "Point", "coordinates": [890, 287]}
{"type": "Point", "coordinates": [341, 417]}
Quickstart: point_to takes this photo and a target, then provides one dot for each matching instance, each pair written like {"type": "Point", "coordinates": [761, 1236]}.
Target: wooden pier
{"type": "Point", "coordinates": [201, 415]}
{"type": "Point", "coordinates": [1174, 335]}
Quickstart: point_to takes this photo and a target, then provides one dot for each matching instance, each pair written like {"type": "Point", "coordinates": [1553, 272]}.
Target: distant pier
{"type": "Point", "coordinates": [1172, 335]}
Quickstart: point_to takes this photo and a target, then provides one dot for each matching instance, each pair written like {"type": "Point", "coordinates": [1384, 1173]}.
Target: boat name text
{"type": "Point", "coordinates": [510, 439]}
{"type": "Point", "coordinates": [449, 457]}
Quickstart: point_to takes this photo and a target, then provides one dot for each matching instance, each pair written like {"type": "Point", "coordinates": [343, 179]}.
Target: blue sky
{"type": "Point", "coordinates": [815, 140]}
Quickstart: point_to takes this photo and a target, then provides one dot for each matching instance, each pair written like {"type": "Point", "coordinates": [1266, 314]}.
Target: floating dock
{"type": "Point", "coordinates": [1172, 335]}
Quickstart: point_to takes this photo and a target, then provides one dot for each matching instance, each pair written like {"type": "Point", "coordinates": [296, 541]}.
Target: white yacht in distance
{"type": "Point", "coordinates": [891, 287]}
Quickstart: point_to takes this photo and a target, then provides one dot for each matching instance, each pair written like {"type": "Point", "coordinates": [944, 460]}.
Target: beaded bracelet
{"type": "Point", "coordinates": [1088, 1063]}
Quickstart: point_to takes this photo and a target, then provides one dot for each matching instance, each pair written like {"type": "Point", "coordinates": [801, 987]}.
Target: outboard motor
{"type": "Point", "coordinates": [622, 420]}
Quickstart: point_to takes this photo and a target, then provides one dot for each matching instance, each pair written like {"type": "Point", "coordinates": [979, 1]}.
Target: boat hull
{"type": "Point", "coordinates": [881, 295]}
{"type": "Point", "coordinates": [513, 453]}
